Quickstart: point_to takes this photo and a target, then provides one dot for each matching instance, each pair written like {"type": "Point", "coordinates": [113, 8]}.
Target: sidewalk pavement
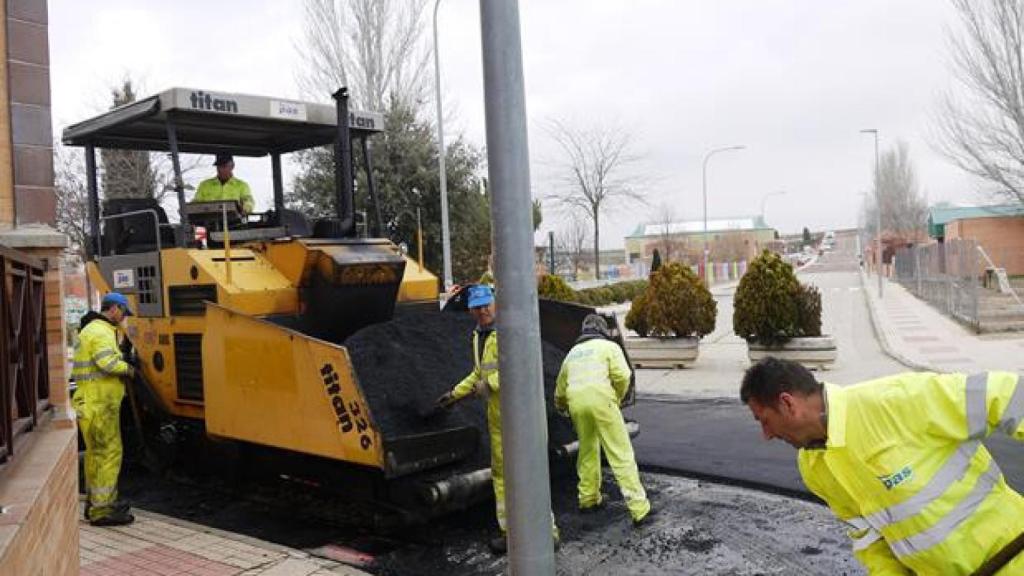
{"type": "Point", "coordinates": [922, 338]}
{"type": "Point", "coordinates": [156, 545]}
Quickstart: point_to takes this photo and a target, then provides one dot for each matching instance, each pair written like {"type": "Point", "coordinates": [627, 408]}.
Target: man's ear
{"type": "Point", "coordinates": [786, 404]}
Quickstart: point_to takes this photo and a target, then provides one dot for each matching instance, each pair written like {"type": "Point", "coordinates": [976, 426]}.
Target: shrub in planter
{"type": "Point", "coordinates": [675, 304]}
{"type": "Point", "coordinates": [555, 288]}
{"type": "Point", "coordinates": [636, 318]}
{"type": "Point", "coordinates": [771, 306]}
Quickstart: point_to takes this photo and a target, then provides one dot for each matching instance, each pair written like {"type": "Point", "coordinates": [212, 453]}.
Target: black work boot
{"type": "Point", "coordinates": [498, 545]}
{"type": "Point", "coordinates": [118, 517]}
{"type": "Point", "coordinates": [595, 507]}
{"type": "Point", "coordinates": [646, 520]}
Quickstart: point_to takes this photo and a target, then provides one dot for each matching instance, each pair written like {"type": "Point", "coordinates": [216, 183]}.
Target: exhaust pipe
{"type": "Point", "coordinates": [465, 489]}
{"type": "Point", "coordinates": [344, 190]}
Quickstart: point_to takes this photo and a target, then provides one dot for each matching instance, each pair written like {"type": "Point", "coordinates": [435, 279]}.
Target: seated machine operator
{"type": "Point", "coordinates": [224, 186]}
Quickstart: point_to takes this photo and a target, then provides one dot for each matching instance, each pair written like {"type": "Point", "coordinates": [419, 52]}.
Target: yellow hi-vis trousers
{"type": "Point", "coordinates": [599, 425]}
{"type": "Point", "coordinates": [98, 405]}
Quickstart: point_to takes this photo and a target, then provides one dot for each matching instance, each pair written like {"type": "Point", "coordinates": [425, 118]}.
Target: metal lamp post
{"type": "Point", "coordinates": [446, 248]}
{"type": "Point", "coordinates": [704, 188]}
{"type": "Point", "coordinates": [764, 200]}
{"type": "Point", "coordinates": [527, 490]}
{"type": "Point", "coordinates": [878, 213]}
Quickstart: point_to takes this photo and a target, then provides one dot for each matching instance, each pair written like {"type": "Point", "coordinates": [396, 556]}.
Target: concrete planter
{"type": "Point", "coordinates": [814, 352]}
{"type": "Point", "coordinates": [662, 352]}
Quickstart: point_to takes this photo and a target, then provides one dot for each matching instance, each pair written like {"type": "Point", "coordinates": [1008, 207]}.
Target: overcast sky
{"type": "Point", "coordinates": [793, 80]}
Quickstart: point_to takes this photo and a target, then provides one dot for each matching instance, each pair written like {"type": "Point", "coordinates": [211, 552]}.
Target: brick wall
{"type": "Point", "coordinates": [1002, 239]}
{"type": "Point", "coordinates": [39, 532]}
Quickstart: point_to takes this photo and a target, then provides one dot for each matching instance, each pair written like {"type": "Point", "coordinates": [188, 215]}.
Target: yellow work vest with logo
{"type": "Point", "coordinates": [904, 467]}
{"type": "Point", "coordinates": [593, 370]}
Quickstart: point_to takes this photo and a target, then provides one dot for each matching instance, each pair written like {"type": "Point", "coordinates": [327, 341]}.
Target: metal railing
{"type": "Point", "coordinates": [24, 376]}
{"type": "Point", "coordinates": [947, 276]}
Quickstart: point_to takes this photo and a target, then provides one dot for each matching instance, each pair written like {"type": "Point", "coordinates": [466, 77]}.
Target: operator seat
{"type": "Point", "coordinates": [136, 233]}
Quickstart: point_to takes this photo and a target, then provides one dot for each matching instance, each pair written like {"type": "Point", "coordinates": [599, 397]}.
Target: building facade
{"type": "Point", "coordinates": [729, 240]}
{"type": "Point", "coordinates": [998, 230]}
{"type": "Point", "coordinates": [39, 462]}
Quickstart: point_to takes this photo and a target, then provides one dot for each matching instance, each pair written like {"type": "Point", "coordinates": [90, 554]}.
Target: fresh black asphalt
{"type": "Point", "coordinates": [717, 439]}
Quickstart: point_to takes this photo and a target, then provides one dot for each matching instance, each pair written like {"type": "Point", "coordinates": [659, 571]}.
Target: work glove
{"type": "Point", "coordinates": [132, 358]}
{"type": "Point", "coordinates": [446, 400]}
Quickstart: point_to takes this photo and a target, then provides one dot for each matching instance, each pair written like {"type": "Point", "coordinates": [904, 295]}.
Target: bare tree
{"type": "Point", "coordinates": [374, 47]}
{"type": "Point", "coordinates": [668, 243]}
{"type": "Point", "coordinates": [72, 196]}
{"type": "Point", "coordinates": [904, 208]}
{"type": "Point", "coordinates": [983, 134]}
{"type": "Point", "coordinates": [572, 241]}
{"type": "Point", "coordinates": [596, 172]}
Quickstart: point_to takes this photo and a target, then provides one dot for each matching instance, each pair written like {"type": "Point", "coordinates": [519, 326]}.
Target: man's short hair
{"type": "Point", "coordinates": [765, 381]}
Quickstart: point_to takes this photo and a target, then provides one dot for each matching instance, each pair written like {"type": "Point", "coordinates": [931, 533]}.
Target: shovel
{"type": "Point", "coordinates": [434, 410]}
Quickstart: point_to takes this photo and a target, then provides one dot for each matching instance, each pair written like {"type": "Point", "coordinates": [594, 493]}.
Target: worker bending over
{"type": "Point", "coordinates": [99, 372]}
{"type": "Point", "coordinates": [484, 381]}
{"type": "Point", "coordinates": [591, 385]}
{"type": "Point", "coordinates": [224, 186]}
{"type": "Point", "coordinates": [900, 460]}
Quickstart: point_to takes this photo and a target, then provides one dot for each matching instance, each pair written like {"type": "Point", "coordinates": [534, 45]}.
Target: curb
{"type": "Point", "coordinates": [883, 340]}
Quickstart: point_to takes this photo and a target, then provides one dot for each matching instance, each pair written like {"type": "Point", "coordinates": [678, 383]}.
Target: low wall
{"type": "Point", "coordinates": [39, 495]}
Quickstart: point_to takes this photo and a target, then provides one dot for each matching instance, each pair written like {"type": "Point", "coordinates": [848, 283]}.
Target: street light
{"type": "Point", "coordinates": [704, 188]}
{"type": "Point", "coordinates": [764, 200]}
{"type": "Point", "coordinates": [878, 212]}
{"type": "Point", "coordinates": [446, 248]}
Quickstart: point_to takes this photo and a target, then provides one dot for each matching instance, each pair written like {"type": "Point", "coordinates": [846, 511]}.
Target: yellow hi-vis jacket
{"type": "Point", "coordinates": [211, 189]}
{"type": "Point", "coordinates": [595, 369]}
{"type": "Point", "coordinates": [483, 380]}
{"type": "Point", "coordinates": [904, 467]}
{"type": "Point", "coordinates": [97, 363]}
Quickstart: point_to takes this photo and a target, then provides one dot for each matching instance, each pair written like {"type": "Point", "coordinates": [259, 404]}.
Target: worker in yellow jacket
{"type": "Point", "coordinates": [591, 385]}
{"type": "Point", "coordinates": [99, 372]}
{"type": "Point", "coordinates": [224, 186]}
{"type": "Point", "coordinates": [900, 460]}
{"type": "Point", "coordinates": [483, 381]}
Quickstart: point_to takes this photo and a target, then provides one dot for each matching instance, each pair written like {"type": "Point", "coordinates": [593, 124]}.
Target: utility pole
{"type": "Point", "coordinates": [527, 488]}
{"type": "Point", "coordinates": [878, 214]}
{"type": "Point", "coordinates": [446, 246]}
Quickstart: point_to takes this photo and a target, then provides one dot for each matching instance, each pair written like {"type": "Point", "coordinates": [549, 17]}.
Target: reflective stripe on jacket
{"type": "Point", "coordinates": [97, 357]}
{"type": "Point", "coordinates": [594, 369]}
{"type": "Point", "coordinates": [904, 466]}
{"type": "Point", "coordinates": [211, 189]}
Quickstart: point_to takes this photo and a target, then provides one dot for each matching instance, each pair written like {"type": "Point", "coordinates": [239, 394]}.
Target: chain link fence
{"type": "Point", "coordinates": [946, 275]}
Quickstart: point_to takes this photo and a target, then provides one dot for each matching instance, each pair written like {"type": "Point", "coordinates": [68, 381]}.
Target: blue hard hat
{"type": "Point", "coordinates": [116, 298]}
{"type": "Point", "coordinates": [480, 295]}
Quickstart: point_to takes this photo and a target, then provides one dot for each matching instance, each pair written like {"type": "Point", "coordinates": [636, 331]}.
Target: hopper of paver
{"type": "Point", "coordinates": [403, 366]}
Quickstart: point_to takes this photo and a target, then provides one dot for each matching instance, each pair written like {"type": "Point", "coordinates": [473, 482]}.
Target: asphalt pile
{"type": "Point", "coordinates": [405, 364]}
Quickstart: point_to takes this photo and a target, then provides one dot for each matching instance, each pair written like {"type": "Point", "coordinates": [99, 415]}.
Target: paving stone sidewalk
{"type": "Point", "coordinates": [919, 336]}
{"type": "Point", "coordinates": [157, 545]}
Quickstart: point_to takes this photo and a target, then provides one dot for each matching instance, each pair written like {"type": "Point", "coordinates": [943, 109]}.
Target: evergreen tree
{"type": "Point", "coordinates": [126, 173]}
{"type": "Point", "coordinates": [406, 177]}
